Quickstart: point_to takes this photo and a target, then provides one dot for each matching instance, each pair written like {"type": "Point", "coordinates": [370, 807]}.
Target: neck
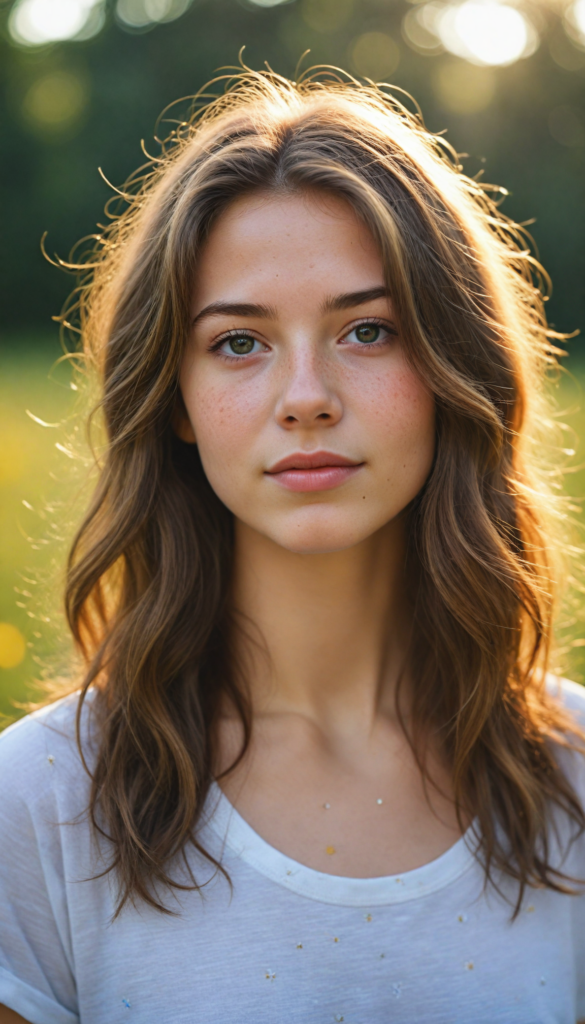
{"type": "Point", "coordinates": [333, 628]}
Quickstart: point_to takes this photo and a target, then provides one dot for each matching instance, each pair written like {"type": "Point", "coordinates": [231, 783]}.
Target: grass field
{"type": "Point", "coordinates": [38, 488]}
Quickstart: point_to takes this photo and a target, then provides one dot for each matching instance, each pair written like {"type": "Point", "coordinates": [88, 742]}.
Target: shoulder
{"type": "Point", "coordinates": [570, 757]}
{"type": "Point", "coordinates": [570, 695]}
{"type": "Point", "coordinates": [40, 751]}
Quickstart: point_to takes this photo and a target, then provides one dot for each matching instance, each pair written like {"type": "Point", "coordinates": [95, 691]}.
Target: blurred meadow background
{"type": "Point", "coordinates": [83, 81]}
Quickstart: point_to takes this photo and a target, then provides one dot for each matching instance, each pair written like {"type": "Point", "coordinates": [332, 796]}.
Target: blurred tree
{"type": "Point", "coordinates": [70, 106]}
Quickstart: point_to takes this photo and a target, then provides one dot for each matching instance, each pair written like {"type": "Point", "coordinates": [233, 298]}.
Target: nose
{"type": "Point", "coordinates": [307, 398]}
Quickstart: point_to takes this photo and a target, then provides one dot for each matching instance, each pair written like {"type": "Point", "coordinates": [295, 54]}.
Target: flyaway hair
{"type": "Point", "coordinates": [148, 592]}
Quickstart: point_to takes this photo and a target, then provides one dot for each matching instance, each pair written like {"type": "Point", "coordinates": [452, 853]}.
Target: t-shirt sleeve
{"type": "Point", "coordinates": [571, 695]}
{"type": "Point", "coordinates": [36, 963]}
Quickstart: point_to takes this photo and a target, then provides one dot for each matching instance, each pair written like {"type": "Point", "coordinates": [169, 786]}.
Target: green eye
{"type": "Point", "coordinates": [241, 345]}
{"type": "Point", "coordinates": [367, 333]}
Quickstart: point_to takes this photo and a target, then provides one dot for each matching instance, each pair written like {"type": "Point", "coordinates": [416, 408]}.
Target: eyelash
{"type": "Point", "coordinates": [376, 322]}
{"type": "Point", "coordinates": [217, 345]}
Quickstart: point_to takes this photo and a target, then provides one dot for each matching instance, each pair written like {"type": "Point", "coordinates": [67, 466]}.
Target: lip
{"type": "Point", "coordinates": [313, 471]}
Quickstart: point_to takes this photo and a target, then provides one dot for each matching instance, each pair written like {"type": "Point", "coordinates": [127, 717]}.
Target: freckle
{"type": "Point", "coordinates": [299, 945]}
{"type": "Point", "coordinates": [336, 939]}
{"type": "Point", "coordinates": [469, 965]}
{"type": "Point", "coordinates": [367, 917]}
{"type": "Point", "coordinates": [330, 850]}
{"type": "Point", "coordinates": [462, 918]}
{"type": "Point", "coordinates": [51, 759]}
{"type": "Point", "coordinates": [530, 909]}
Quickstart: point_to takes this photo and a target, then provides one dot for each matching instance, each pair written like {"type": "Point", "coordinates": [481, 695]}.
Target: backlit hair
{"type": "Point", "coordinates": [148, 593]}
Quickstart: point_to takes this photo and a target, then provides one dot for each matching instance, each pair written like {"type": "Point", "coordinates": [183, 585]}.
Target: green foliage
{"type": "Point", "coordinates": [73, 106]}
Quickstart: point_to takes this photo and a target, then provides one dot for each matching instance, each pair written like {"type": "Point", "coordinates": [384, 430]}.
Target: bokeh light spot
{"type": "Point", "coordinates": [486, 32]}
{"type": "Point", "coordinates": [464, 88]}
{"type": "Point", "coordinates": [12, 646]}
{"type": "Point", "coordinates": [326, 15]}
{"type": "Point", "coordinates": [375, 55]}
{"type": "Point", "coordinates": [139, 14]}
{"type": "Point", "coordinates": [575, 22]}
{"type": "Point", "coordinates": [419, 28]}
{"type": "Point", "coordinates": [37, 22]}
{"type": "Point", "coordinates": [55, 101]}
{"type": "Point", "coordinates": [566, 126]}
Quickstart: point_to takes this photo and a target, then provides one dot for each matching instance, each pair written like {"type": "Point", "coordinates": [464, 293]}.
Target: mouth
{"type": "Point", "coordinates": [313, 471]}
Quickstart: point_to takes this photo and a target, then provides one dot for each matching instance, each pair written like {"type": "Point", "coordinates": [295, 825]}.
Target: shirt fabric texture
{"type": "Point", "coordinates": [284, 944]}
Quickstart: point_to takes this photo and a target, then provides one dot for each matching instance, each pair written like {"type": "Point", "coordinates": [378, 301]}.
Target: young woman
{"type": "Point", "coordinates": [315, 771]}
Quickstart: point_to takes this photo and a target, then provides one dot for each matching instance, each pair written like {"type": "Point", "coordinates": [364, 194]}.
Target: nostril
{"type": "Point", "coordinates": [323, 416]}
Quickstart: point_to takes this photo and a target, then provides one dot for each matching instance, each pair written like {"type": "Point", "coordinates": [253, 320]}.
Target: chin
{"type": "Point", "coordinates": [315, 531]}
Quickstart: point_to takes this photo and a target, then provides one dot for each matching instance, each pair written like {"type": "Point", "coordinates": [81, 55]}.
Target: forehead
{"type": "Point", "coordinates": [285, 242]}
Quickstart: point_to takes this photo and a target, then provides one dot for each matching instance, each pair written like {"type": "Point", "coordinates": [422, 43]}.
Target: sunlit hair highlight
{"type": "Point", "coordinates": [148, 591]}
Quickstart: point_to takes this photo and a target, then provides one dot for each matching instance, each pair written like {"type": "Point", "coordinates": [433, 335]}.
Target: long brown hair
{"type": "Point", "coordinates": [148, 589]}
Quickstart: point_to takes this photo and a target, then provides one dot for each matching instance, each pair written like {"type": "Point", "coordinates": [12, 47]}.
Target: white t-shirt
{"type": "Point", "coordinates": [287, 945]}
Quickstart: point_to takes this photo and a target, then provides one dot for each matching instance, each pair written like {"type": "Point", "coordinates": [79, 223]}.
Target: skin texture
{"type": "Point", "coordinates": [305, 387]}
{"type": "Point", "coordinates": [319, 574]}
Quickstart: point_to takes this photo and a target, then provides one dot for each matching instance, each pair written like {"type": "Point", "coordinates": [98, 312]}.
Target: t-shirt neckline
{"type": "Point", "coordinates": [241, 839]}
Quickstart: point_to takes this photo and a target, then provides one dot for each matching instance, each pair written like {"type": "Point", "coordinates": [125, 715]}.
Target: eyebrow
{"type": "Point", "coordinates": [349, 299]}
{"type": "Point", "coordinates": [252, 309]}
{"type": "Point", "coordinates": [236, 309]}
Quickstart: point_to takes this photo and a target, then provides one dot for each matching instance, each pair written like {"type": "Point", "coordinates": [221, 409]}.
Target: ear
{"type": "Point", "coordinates": [181, 423]}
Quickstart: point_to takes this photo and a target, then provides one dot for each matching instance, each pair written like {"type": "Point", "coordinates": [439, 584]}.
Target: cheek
{"type": "Point", "coordinates": [399, 415]}
{"type": "Point", "coordinates": [226, 420]}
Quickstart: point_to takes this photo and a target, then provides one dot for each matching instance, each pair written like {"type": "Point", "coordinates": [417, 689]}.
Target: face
{"type": "Point", "coordinates": [311, 426]}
